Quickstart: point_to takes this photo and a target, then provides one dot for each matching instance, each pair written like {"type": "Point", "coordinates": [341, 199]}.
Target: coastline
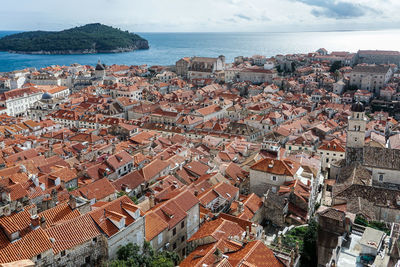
{"type": "Point", "coordinates": [75, 52]}
{"type": "Point", "coordinates": [143, 46]}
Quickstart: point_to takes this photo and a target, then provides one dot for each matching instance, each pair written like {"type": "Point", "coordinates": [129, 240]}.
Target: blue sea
{"type": "Point", "coordinates": [167, 48]}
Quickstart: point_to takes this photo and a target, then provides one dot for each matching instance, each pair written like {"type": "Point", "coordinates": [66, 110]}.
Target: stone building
{"type": "Point", "coordinates": [121, 222]}
{"type": "Point", "coordinates": [367, 181]}
{"type": "Point", "coordinates": [199, 67]}
{"type": "Point", "coordinates": [330, 152]}
{"type": "Point", "coordinates": [43, 107]}
{"type": "Point", "coordinates": [355, 140]}
{"type": "Point", "coordinates": [383, 163]}
{"type": "Point", "coordinates": [333, 224]}
{"type": "Point", "coordinates": [271, 174]}
{"type": "Point", "coordinates": [378, 57]}
{"type": "Point", "coordinates": [370, 77]}
{"type": "Point", "coordinates": [77, 242]}
{"type": "Point", "coordinates": [257, 75]}
{"type": "Point", "coordinates": [182, 67]}
{"type": "Point", "coordinates": [205, 67]}
{"type": "Point", "coordinates": [171, 223]}
{"type": "Point", "coordinates": [100, 70]}
{"type": "Point", "coordinates": [18, 101]}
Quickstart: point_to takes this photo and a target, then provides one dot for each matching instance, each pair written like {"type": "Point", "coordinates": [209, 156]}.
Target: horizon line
{"type": "Point", "coordinates": [222, 32]}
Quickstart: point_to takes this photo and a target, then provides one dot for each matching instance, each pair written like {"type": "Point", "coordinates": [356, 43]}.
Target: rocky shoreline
{"type": "Point", "coordinates": [141, 46]}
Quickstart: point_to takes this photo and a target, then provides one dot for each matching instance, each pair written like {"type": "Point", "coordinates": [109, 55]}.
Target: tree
{"type": "Point", "coordinates": [335, 66]}
{"type": "Point", "coordinates": [293, 66]}
{"type": "Point", "coordinates": [131, 255]}
{"type": "Point", "coordinates": [133, 198]}
{"type": "Point", "coordinates": [309, 253]}
{"type": "Point", "coordinates": [102, 37]}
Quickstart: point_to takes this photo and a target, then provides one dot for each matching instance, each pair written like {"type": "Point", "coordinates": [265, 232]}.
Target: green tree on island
{"type": "Point", "coordinates": [94, 36]}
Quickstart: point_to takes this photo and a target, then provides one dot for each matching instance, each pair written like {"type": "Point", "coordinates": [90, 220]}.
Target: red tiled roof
{"type": "Point", "coordinates": [217, 229]}
{"type": "Point", "coordinates": [99, 189]}
{"type": "Point", "coordinates": [154, 168]}
{"type": "Point", "coordinates": [333, 145]}
{"type": "Point", "coordinates": [154, 225]}
{"type": "Point", "coordinates": [119, 159]}
{"type": "Point", "coordinates": [33, 243]}
{"type": "Point", "coordinates": [99, 215]}
{"type": "Point", "coordinates": [132, 180]}
{"type": "Point", "coordinates": [72, 233]}
{"type": "Point", "coordinates": [254, 253]}
{"type": "Point", "coordinates": [275, 166]}
{"type": "Point", "coordinates": [61, 212]}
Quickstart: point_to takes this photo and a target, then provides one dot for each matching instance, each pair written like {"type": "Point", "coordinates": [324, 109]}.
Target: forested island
{"type": "Point", "coordinates": [87, 39]}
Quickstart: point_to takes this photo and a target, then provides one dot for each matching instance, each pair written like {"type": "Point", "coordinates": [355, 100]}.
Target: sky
{"type": "Point", "coordinates": [202, 15]}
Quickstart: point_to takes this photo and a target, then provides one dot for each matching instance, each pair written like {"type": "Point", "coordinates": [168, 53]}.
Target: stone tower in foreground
{"type": "Point", "coordinates": [355, 140]}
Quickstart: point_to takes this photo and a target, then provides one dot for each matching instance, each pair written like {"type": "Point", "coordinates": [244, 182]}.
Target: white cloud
{"type": "Point", "coordinates": [202, 15]}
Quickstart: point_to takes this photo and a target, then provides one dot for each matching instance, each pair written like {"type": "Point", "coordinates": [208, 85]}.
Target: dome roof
{"type": "Point", "coordinates": [357, 107]}
{"type": "Point", "coordinates": [47, 96]}
{"type": "Point", "coordinates": [100, 66]}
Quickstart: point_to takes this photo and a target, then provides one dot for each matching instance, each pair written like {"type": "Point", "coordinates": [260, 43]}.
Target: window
{"type": "Point", "coordinates": [39, 257]}
{"type": "Point", "coordinates": [183, 238]}
{"type": "Point", "coordinates": [94, 239]}
{"type": "Point", "coordinates": [380, 177]}
{"type": "Point", "coordinates": [87, 259]}
{"type": "Point", "coordinates": [174, 231]}
{"type": "Point", "coordinates": [174, 246]}
{"type": "Point", "coordinates": [160, 238]}
{"type": "Point", "coordinates": [182, 224]}
{"type": "Point", "coordinates": [273, 178]}
{"type": "Point", "coordinates": [63, 253]}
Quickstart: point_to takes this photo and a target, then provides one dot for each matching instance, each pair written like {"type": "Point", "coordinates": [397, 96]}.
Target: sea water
{"type": "Point", "coordinates": [167, 48]}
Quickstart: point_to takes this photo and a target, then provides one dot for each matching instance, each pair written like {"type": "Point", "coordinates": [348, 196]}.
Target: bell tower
{"type": "Point", "coordinates": [355, 139]}
{"type": "Point", "coordinates": [100, 70]}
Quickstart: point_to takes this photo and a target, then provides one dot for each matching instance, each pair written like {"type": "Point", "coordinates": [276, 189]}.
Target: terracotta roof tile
{"type": "Point", "coordinates": [30, 245]}
{"type": "Point", "coordinates": [72, 233]}
{"type": "Point", "coordinates": [97, 190]}
{"type": "Point", "coordinates": [61, 212]}
{"type": "Point", "coordinates": [154, 225]}
{"type": "Point", "coordinates": [275, 166]}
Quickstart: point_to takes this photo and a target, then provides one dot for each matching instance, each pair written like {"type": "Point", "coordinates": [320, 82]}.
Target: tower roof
{"type": "Point", "coordinates": [47, 96]}
{"type": "Point", "coordinates": [357, 107]}
{"type": "Point", "coordinates": [100, 66]}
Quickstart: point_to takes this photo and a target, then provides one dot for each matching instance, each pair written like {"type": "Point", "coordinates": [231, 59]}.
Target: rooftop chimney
{"type": "Point", "coordinates": [35, 221]}
{"type": "Point", "coordinates": [43, 222]}
{"type": "Point", "coordinates": [240, 207]}
{"type": "Point", "coordinates": [152, 201]}
{"type": "Point", "coordinates": [271, 164]}
{"type": "Point", "coordinates": [72, 202]}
